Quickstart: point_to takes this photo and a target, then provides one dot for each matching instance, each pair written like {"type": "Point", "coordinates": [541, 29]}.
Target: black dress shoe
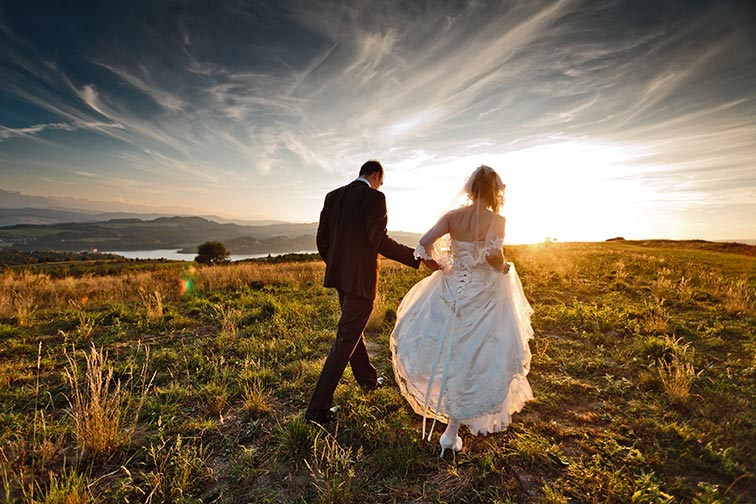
{"type": "Point", "coordinates": [322, 417]}
{"type": "Point", "coordinates": [379, 382]}
{"type": "Point", "coordinates": [319, 418]}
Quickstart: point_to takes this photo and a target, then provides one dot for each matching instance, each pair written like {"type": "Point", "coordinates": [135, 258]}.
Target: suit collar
{"type": "Point", "coordinates": [360, 183]}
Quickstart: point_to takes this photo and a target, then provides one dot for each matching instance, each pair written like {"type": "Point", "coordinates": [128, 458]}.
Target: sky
{"type": "Point", "coordinates": [604, 118]}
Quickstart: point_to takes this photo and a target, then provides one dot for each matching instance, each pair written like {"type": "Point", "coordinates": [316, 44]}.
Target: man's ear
{"type": "Point", "coordinates": [374, 178]}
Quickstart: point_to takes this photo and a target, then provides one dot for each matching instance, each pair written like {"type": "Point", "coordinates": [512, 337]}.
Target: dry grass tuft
{"type": "Point", "coordinates": [685, 290]}
{"type": "Point", "coordinates": [620, 273]}
{"type": "Point", "coordinates": [228, 317]}
{"type": "Point", "coordinates": [178, 465]}
{"type": "Point", "coordinates": [656, 317]}
{"type": "Point", "coordinates": [333, 470]}
{"type": "Point", "coordinates": [24, 307]}
{"type": "Point", "coordinates": [738, 298]}
{"type": "Point", "coordinates": [677, 373]}
{"type": "Point", "coordinates": [11, 372]}
{"type": "Point", "coordinates": [68, 487]}
{"type": "Point", "coordinates": [87, 321]}
{"type": "Point", "coordinates": [152, 303]}
{"type": "Point", "coordinates": [100, 406]}
{"type": "Point", "coordinates": [453, 481]}
{"type": "Point", "coordinates": [663, 286]}
{"type": "Point", "coordinates": [256, 403]}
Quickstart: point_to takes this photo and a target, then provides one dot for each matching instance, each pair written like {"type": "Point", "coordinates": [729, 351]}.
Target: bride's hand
{"type": "Point", "coordinates": [505, 268]}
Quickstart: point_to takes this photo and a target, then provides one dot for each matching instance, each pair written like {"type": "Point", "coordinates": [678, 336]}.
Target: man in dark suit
{"type": "Point", "coordinates": [351, 234]}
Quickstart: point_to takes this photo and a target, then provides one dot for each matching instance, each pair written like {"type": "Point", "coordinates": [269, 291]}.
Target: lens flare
{"type": "Point", "coordinates": [185, 286]}
{"type": "Point", "coordinates": [186, 281]}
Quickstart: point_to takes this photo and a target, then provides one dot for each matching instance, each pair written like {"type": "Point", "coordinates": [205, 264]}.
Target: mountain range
{"type": "Point", "coordinates": [159, 233]}
{"type": "Point", "coordinates": [15, 216]}
{"type": "Point", "coordinates": [163, 232]}
{"type": "Point", "coordinates": [19, 208]}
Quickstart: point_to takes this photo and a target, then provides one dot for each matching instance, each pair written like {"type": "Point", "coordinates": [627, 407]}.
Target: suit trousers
{"type": "Point", "coordinates": [349, 346]}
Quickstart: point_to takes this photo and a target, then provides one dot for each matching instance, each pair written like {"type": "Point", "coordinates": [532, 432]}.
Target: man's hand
{"type": "Point", "coordinates": [505, 268]}
{"type": "Point", "coordinates": [431, 264]}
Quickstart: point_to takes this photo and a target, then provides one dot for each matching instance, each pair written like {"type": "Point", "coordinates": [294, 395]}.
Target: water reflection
{"type": "Point", "coordinates": [175, 255]}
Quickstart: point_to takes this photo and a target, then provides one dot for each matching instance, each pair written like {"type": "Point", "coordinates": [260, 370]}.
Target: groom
{"type": "Point", "coordinates": [351, 234]}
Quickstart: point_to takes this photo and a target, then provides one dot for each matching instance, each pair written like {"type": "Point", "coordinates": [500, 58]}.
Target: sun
{"type": "Point", "coordinates": [574, 191]}
{"type": "Point", "coordinates": [569, 191]}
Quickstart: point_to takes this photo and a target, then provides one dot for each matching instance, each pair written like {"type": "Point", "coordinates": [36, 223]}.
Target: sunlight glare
{"type": "Point", "coordinates": [569, 191]}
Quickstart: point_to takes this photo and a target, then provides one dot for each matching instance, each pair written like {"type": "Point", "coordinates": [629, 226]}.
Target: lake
{"type": "Point", "coordinates": [174, 255]}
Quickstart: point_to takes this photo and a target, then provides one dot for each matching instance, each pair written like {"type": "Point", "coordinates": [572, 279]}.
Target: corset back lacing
{"type": "Point", "coordinates": [460, 270]}
{"type": "Point", "coordinates": [462, 280]}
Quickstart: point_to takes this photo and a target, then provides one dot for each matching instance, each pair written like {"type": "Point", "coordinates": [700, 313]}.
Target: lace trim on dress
{"type": "Point", "coordinates": [421, 253]}
{"type": "Point", "coordinates": [462, 259]}
{"type": "Point", "coordinates": [442, 260]}
{"type": "Point", "coordinates": [493, 245]}
{"type": "Point", "coordinates": [468, 255]}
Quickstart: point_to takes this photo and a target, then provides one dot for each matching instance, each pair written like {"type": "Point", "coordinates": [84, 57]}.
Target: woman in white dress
{"type": "Point", "coordinates": [460, 345]}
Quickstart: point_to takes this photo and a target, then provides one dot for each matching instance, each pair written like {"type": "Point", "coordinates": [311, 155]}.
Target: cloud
{"type": "Point", "coordinates": [143, 81]}
{"type": "Point", "coordinates": [36, 129]}
{"type": "Point", "coordinates": [91, 97]}
{"type": "Point", "coordinates": [320, 86]}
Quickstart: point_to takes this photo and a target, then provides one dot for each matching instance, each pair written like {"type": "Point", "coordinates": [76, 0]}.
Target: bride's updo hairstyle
{"type": "Point", "coordinates": [486, 186]}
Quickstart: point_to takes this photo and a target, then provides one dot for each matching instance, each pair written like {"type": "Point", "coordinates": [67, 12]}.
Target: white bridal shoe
{"type": "Point", "coordinates": [446, 442]}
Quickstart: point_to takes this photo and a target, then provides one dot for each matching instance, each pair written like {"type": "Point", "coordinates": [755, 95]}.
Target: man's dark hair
{"type": "Point", "coordinates": [371, 167]}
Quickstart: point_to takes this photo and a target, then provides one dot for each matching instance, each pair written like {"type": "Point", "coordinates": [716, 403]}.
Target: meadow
{"type": "Point", "coordinates": [179, 383]}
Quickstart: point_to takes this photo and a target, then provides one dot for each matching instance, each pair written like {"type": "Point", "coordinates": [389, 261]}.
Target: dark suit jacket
{"type": "Point", "coordinates": [351, 234]}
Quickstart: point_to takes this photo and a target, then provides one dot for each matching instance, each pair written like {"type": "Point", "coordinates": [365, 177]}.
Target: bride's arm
{"type": "Point", "coordinates": [496, 260]}
{"type": "Point", "coordinates": [495, 257]}
{"type": "Point", "coordinates": [437, 231]}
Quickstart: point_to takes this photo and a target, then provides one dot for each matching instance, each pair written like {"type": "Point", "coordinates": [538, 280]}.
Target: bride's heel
{"type": "Point", "coordinates": [447, 442]}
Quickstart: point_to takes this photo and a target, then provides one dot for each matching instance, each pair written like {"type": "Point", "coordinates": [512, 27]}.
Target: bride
{"type": "Point", "coordinates": [460, 345]}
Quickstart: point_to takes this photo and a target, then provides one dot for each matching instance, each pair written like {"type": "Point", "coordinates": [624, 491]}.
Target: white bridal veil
{"type": "Point", "coordinates": [468, 195]}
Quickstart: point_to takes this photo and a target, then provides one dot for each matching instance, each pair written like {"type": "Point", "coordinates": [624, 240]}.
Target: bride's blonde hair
{"type": "Point", "coordinates": [485, 185]}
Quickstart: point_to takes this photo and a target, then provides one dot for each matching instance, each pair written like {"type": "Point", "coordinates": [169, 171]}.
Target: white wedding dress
{"type": "Point", "coordinates": [460, 345]}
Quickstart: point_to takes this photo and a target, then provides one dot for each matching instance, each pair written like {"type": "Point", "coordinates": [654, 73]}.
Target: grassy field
{"type": "Point", "coordinates": [178, 384]}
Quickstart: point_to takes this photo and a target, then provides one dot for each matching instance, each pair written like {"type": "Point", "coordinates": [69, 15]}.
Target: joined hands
{"type": "Point", "coordinates": [431, 264]}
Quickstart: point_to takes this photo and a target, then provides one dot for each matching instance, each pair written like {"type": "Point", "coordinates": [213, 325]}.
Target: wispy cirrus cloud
{"type": "Point", "coordinates": [29, 131]}
{"type": "Point", "coordinates": [248, 94]}
{"type": "Point", "coordinates": [141, 78]}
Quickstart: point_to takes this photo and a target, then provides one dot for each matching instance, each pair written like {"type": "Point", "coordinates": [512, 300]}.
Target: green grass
{"type": "Point", "coordinates": [644, 372]}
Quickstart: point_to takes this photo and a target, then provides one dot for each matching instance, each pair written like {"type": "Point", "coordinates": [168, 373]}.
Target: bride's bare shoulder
{"type": "Point", "coordinates": [499, 221]}
{"type": "Point", "coordinates": [455, 213]}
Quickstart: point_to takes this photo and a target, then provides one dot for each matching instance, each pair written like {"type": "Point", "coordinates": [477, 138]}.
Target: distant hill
{"type": "Point", "coordinates": [28, 215]}
{"type": "Point", "coordinates": [20, 208]}
{"type": "Point", "coordinates": [730, 247]}
{"type": "Point", "coordinates": [138, 234]}
{"type": "Point", "coordinates": [14, 216]}
{"type": "Point", "coordinates": [276, 244]}
{"type": "Point", "coordinates": [183, 233]}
